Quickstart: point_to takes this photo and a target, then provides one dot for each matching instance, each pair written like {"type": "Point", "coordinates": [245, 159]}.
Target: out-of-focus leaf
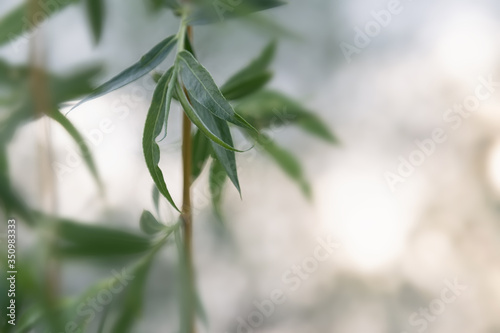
{"type": "Point", "coordinates": [96, 16]}
{"type": "Point", "coordinates": [252, 77]}
{"type": "Point", "coordinates": [149, 224]}
{"type": "Point", "coordinates": [217, 179]}
{"type": "Point", "coordinates": [158, 110]}
{"type": "Point", "coordinates": [80, 239]}
{"type": "Point", "coordinates": [147, 63]}
{"type": "Point", "coordinates": [288, 163]}
{"type": "Point", "coordinates": [84, 149]}
{"type": "Point", "coordinates": [131, 305]}
{"type": "Point", "coordinates": [269, 108]}
{"type": "Point", "coordinates": [201, 151]}
{"type": "Point", "coordinates": [19, 20]}
{"type": "Point", "coordinates": [202, 89]}
{"type": "Point", "coordinates": [155, 5]}
{"type": "Point", "coordinates": [156, 199]}
{"type": "Point", "coordinates": [208, 11]}
{"type": "Point", "coordinates": [206, 122]}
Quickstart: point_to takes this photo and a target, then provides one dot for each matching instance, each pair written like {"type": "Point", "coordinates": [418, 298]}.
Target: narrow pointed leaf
{"type": "Point", "coordinates": [288, 163]}
{"type": "Point", "coordinates": [269, 108]}
{"type": "Point", "coordinates": [201, 151]}
{"type": "Point", "coordinates": [217, 179]}
{"type": "Point", "coordinates": [149, 224]}
{"type": "Point", "coordinates": [252, 77]}
{"type": "Point", "coordinates": [156, 199]}
{"type": "Point", "coordinates": [80, 141]}
{"type": "Point", "coordinates": [202, 89]}
{"type": "Point", "coordinates": [206, 122]}
{"type": "Point", "coordinates": [95, 14]}
{"type": "Point", "coordinates": [160, 105]}
{"type": "Point", "coordinates": [208, 11]}
{"type": "Point", "coordinates": [145, 65]}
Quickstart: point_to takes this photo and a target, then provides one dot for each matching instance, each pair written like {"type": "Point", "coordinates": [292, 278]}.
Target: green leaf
{"type": "Point", "coordinates": [202, 89]}
{"type": "Point", "coordinates": [252, 77]}
{"type": "Point", "coordinates": [132, 302]}
{"type": "Point", "coordinates": [158, 111]}
{"type": "Point", "coordinates": [228, 161]}
{"type": "Point", "coordinates": [156, 199]}
{"type": "Point", "coordinates": [80, 141]}
{"type": "Point", "coordinates": [149, 224]}
{"type": "Point", "coordinates": [208, 11]}
{"type": "Point", "coordinates": [201, 151]}
{"type": "Point", "coordinates": [269, 108]}
{"type": "Point", "coordinates": [19, 21]}
{"type": "Point", "coordinates": [145, 65]}
{"type": "Point", "coordinates": [217, 179]}
{"type": "Point", "coordinates": [251, 84]}
{"type": "Point", "coordinates": [288, 163]}
{"type": "Point", "coordinates": [95, 13]}
{"type": "Point", "coordinates": [80, 239]}
{"type": "Point", "coordinates": [213, 127]}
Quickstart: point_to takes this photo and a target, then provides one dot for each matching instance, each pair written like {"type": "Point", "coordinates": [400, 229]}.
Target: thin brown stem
{"type": "Point", "coordinates": [187, 213]}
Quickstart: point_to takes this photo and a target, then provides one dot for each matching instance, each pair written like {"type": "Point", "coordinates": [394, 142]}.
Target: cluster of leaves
{"type": "Point", "coordinates": [242, 101]}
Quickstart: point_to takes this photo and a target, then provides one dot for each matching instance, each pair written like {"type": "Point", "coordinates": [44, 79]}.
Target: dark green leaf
{"type": "Point", "coordinates": [158, 111]}
{"type": "Point", "coordinates": [95, 13]}
{"type": "Point", "coordinates": [149, 224]}
{"type": "Point", "coordinates": [286, 161]}
{"type": "Point", "coordinates": [202, 89]}
{"type": "Point", "coordinates": [80, 239]}
{"type": "Point", "coordinates": [217, 180]}
{"type": "Point", "coordinates": [147, 63]}
{"type": "Point", "coordinates": [201, 151]}
{"type": "Point", "coordinates": [208, 11]}
{"type": "Point", "coordinates": [19, 21]}
{"type": "Point", "coordinates": [211, 126]}
{"type": "Point", "coordinates": [269, 108]}
{"type": "Point", "coordinates": [84, 149]}
{"type": "Point", "coordinates": [251, 78]}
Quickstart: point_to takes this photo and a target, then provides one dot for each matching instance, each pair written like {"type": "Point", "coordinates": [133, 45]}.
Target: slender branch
{"type": "Point", "coordinates": [187, 214]}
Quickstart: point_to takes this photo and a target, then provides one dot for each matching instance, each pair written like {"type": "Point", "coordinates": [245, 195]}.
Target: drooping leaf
{"type": "Point", "coordinates": [149, 224]}
{"type": "Point", "coordinates": [80, 239]}
{"type": "Point", "coordinates": [158, 110]}
{"type": "Point", "coordinates": [84, 149]}
{"type": "Point", "coordinates": [202, 89]}
{"type": "Point", "coordinates": [201, 151]}
{"type": "Point", "coordinates": [269, 108]}
{"type": "Point", "coordinates": [205, 121]}
{"type": "Point", "coordinates": [145, 65]}
{"type": "Point", "coordinates": [20, 20]}
{"type": "Point", "coordinates": [96, 16]}
{"type": "Point", "coordinates": [217, 180]}
{"type": "Point", "coordinates": [252, 77]}
{"type": "Point", "coordinates": [288, 163]}
{"type": "Point", "coordinates": [207, 11]}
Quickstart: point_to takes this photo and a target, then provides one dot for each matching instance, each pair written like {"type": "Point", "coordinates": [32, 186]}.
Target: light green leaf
{"type": "Point", "coordinates": [149, 224]}
{"type": "Point", "coordinates": [96, 15]}
{"type": "Point", "coordinates": [269, 108]}
{"type": "Point", "coordinates": [156, 199]}
{"type": "Point", "coordinates": [288, 163]}
{"type": "Point", "coordinates": [158, 110]}
{"type": "Point", "coordinates": [252, 77]}
{"type": "Point", "coordinates": [147, 63]}
{"type": "Point", "coordinates": [18, 21]}
{"type": "Point", "coordinates": [201, 151]}
{"type": "Point", "coordinates": [84, 149]}
{"type": "Point", "coordinates": [202, 89]}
